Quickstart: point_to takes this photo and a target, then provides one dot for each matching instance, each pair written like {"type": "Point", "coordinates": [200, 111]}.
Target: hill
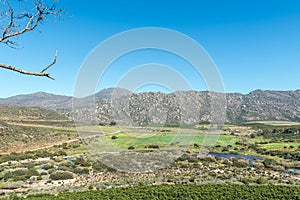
{"type": "Point", "coordinates": [39, 99]}
{"type": "Point", "coordinates": [11, 112]}
{"type": "Point", "coordinates": [158, 108]}
{"type": "Point", "coordinates": [27, 128]}
{"type": "Point", "coordinates": [190, 107]}
{"type": "Point", "coordinates": [53, 101]}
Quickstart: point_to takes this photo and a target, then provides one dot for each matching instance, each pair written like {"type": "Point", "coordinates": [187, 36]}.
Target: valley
{"type": "Point", "coordinates": [43, 152]}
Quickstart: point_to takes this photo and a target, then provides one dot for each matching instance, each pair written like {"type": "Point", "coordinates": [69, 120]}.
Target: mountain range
{"type": "Point", "coordinates": [117, 104]}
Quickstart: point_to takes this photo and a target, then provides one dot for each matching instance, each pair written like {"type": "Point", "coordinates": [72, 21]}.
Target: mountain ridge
{"type": "Point", "coordinates": [55, 101]}
{"type": "Point", "coordinates": [254, 106]}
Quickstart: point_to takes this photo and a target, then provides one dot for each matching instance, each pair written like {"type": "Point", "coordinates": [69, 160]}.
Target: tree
{"type": "Point", "coordinates": [113, 123]}
{"type": "Point", "coordinates": [14, 23]}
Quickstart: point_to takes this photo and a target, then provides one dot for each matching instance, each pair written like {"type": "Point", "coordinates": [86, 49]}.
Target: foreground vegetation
{"type": "Point", "coordinates": [207, 191]}
{"type": "Point", "coordinates": [65, 165]}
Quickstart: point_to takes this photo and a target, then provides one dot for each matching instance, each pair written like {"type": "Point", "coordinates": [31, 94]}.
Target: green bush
{"type": "Point", "coordinates": [241, 163]}
{"type": "Point", "coordinates": [98, 166]}
{"type": "Point", "coordinates": [114, 137]}
{"type": "Point", "coordinates": [80, 170]}
{"type": "Point", "coordinates": [20, 175]}
{"type": "Point", "coordinates": [269, 162]}
{"type": "Point", "coordinates": [47, 166]}
{"type": "Point", "coordinates": [152, 146]}
{"type": "Point", "coordinates": [61, 176]}
{"type": "Point", "coordinates": [82, 162]}
{"type": "Point", "coordinates": [261, 180]}
{"type": "Point", "coordinates": [60, 153]}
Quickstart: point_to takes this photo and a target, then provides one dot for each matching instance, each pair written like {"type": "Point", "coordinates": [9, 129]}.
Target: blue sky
{"type": "Point", "coordinates": [255, 44]}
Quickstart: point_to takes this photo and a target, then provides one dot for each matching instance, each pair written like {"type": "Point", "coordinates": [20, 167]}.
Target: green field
{"type": "Point", "coordinates": [164, 138]}
{"type": "Point", "coordinates": [124, 140]}
{"type": "Point", "coordinates": [280, 145]}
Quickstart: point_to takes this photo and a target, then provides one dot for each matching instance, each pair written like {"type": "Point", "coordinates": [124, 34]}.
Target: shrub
{"type": "Point", "coordinates": [82, 162]}
{"type": "Point", "coordinates": [261, 180]}
{"type": "Point", "coordinates": [192, 179]}
{"type": "Point", "coordinates": [152, 146]}
{"type": "Point", "coordinates": [43, 173]}
{"type": "Point", "coordinates": [209, 158]}
{"type": "Point", "coordinates": [131, 147]}
{"type": "Point", "coordinates": [79, 170]}
{"type": "Point", "coordinates": [98, 166]}
{"type": "Point", "coordinates": [113, 123]}
{"type": "Point", "coordinates": [61, 176]}
{"type": "Point", "coordinates": [240, 162]}
{"type": "Point", "coordinates": [246, 180]}
{"type": "Point", "coordinates": [47, 167]}
{"type": "Point", "coordinates": [269, 162]}
{"type": "Point", "coordinates": [114, 137]}
{"type": "Point", "coordinates": [20, 175]}
{"type": "Point", "coordinates": [42, 154]}
{"type": "Point", "coordinates": [91, 187]}
{"type": "Point", "coordinates": [60, 153]}
{"type": "Point", "coordinates": [278, 168]}
{"type": "Point", "coordinates": [258, 165]}
{"type": "Point", "coordinates": [65, 164]}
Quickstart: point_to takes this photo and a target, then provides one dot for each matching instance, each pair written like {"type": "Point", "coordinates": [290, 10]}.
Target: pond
{"type": "Point", "coordinates": [70, 160]}
{"type": "Point", "coordinates": [291, 171]}
{"type": "Point", "coordinates": [228, 156]}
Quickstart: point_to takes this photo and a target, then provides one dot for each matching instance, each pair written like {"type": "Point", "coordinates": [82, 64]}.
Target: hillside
{"type": "Point", "coordinates": [24, 128]}
{"type": "Point", "coordinates": [117, 104]}
{"type": "Point", "coordinates": [190, 107]}
{"type": "Point", "coordinates": [52, 101]}
{"type": "Point", "coordinates": [39, 99]}
{"type": "Point", "coordinates": [12, 112]}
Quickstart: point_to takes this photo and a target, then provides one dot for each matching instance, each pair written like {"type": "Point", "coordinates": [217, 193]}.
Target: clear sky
{"type": "Point", "coordinates": [255, 44]}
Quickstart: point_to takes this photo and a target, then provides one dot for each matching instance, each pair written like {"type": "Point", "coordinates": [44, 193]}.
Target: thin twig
{"type": "Point", "coordinates": [53, 62]}
{"type": "Point", "coordinates": [42, 73]}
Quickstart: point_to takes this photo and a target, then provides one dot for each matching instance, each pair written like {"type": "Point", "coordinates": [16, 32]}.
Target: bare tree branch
{"type": "Point", "coordinates": [42, 73]}
{"type": "Point", "coordinates": [53, 62]}
{"type": "Point", "coordinates": [14, 23]}
{"type": "Point", "coordinates": [23, 22]}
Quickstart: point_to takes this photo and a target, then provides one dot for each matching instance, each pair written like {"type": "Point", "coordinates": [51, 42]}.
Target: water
{"type": "Point", "coordinates": [291, 171]}
{"type": "Point", "coordinates": [70, 160]}
{"type": "Point", "coordinates": [228, 156]}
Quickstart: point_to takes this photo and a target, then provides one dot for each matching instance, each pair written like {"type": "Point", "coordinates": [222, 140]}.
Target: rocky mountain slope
{"type": "Point", "coordinates": [186, 107]}
{"type": "Point", "coordinates": [190, 107]}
